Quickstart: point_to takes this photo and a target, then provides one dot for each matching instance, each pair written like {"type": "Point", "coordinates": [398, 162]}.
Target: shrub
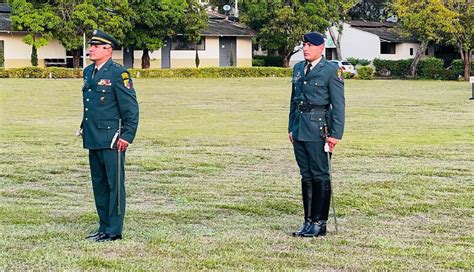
{"type": "Point", "coordinates": [348, 75]}
{"type": "Point", "coordinates": [269, 61]}
{"type": "Point", "coordinates": [365, 72]}
{"type": "Point", "coordinates": [3, 73]}
{"type": "Point", "coordinates": [212, 72]}
{"type": "Point", "coordinates": [356, 61]}
{"type": "Point", "coordinates": [396, 68]}
{"type": "Point", "coordinates": [458, 66]}
{"type": "Point", "coordinates": [257, 62]}
{"type": "Point", "coordinates": [430, 68]}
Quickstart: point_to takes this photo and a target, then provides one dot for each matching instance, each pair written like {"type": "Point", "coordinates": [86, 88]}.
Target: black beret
{"type": "Point", "coordinates": [314, 38]}
{"type": "Point", "coordinates": [100, 37]}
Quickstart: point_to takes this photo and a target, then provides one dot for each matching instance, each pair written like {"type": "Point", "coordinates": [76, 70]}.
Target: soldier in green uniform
{"type": "Point", "coordinates": [317, 111]}
{"type": "Point", "coordinates": [110, 107]}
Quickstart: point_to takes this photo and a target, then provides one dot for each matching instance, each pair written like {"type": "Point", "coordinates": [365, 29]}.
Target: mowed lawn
{"type": "Point", "coordinates": [212, 182]}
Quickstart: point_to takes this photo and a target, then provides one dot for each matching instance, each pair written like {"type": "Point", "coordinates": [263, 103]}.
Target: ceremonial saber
{"type": "Point", "coordinates": [333, 204]}
{"type": "Point", "coordinates": [119, 166]}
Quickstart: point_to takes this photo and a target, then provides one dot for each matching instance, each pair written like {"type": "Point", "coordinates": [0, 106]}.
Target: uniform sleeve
{"type": "Point", "coordinates": [291, 117]}
{"type": "Point", "coordinates": [128, 105]}
{"type": "Point", "coordinates": [336, 95]}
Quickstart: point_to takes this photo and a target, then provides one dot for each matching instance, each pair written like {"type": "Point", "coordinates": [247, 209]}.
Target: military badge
{"type": "Point", "coordinates": [104, 82]}
{"type": "Point", "coordinates": [340, 74]}
{"type": "Point", "coordinates": [298, 76]}
{"type": "Point", "coordinates": [127, 81]}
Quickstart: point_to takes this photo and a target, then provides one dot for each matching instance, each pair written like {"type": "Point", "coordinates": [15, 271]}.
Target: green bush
{"type": "Point", "coordinates": [356, 61]}
{"type": "Point", "coordinates": [58, 72]}
{"type": "Point", "coordinates": [393, 68]}
{"type": "Point", "coordinates": [430, 68]}
{"type": "Point", "coordinates": [269, 61]}
{"type": "Point", "coordinates": [3, 73]}
{"type": "Point", "coordinates": [212, 72]}
{"type": "Point", "coordinates": [348, 75]}
{"type": "Point", "coordinates": [458, 66]}
{"type": "Point", "coordinates": [258, 62]}
{"type": "Point", "coordinates": [40, 72]}
{"type": "Point", "coordinates": [365, 72]}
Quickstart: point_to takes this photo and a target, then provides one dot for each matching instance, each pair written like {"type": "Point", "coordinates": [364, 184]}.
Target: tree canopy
{"type": "Point", "coordinates": [281, 23]}
{"type": "Point", "coordinates": [38, 20]}
{"type": "Point", "coordinates": [428, 20]}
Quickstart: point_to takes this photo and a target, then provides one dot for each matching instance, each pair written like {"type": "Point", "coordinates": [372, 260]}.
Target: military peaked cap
{"type": "Point", "coordinates": [100, 37]}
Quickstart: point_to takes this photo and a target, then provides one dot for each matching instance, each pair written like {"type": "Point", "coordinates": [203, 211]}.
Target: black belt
{"type": "Point", "coordinates": [304, 106]}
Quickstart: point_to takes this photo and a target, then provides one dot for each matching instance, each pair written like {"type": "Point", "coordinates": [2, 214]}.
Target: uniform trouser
{"type": "Point", "coordinates": [103, 164]}
{"type": "Point", "coordinates": [314, 170]}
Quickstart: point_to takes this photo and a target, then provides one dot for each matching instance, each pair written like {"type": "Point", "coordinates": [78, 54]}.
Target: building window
{"type": "Point", "coordinates": [179, 43]}
{"type": "Point", "coordinates": [411, 51]}
{"type": "Point", "coordinates": [2, 55]}
{"type": "Point", "coordinates": [387, 48]}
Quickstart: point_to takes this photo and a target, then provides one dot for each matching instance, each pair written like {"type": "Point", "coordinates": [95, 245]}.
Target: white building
{"type": "Point", "coordinates": [370, 40]}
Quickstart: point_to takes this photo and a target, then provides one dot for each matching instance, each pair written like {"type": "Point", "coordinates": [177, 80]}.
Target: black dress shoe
{"type": "Point", "coordinates": [104, 237]}
{"type": "Point", "coordinates": [302, 230]}
{"type": "Point", "coordinates": [315, 229]}
{"type": "Point", "coordinates": [94, 235]}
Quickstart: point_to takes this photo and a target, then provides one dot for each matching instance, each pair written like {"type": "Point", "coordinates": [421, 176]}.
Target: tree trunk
{"type": "Point", "coordinates": [145, 59]}
{"type": "Point", "coordinates": [76, 58]}
{"type": "Point", "coordinates": [467, 64]}
{"type": "Point", "coordinates": [337, 42]}
{"type": "Point", "coordinates": [34, 56]}
{"type": "Point", "coordinates": [197, 61]}
{"type": "Point", "coordinates": [419, 54]}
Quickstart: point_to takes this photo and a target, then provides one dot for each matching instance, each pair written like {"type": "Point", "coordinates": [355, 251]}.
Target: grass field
{"type": "Point", "coordinates": [212, 182]}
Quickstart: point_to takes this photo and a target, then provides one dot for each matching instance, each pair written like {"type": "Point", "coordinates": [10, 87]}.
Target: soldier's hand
{"type": "Point", "coordinates": [79, 132]}
{"type": "Point", "coordinates": [290, 135]}
{"type": "Point", "coordinates": [332, 142]}
{"type": "Point", "coordinates": [122, 145]}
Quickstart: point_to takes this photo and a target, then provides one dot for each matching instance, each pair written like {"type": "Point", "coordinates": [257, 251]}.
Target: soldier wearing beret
{"type": "Point", "coordinates": [317, 111]}
{"type": "Point", "coordinates": [109, 125]}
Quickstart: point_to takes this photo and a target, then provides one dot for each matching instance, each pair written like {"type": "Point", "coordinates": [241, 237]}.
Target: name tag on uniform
{"type": "Point", "coordinates": [104, 82]}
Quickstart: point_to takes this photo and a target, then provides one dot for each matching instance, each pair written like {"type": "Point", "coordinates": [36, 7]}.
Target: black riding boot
{"type": "Point", "coordinates": [307, 193]}
{"type": "Point", "coordinates": [321, 201]}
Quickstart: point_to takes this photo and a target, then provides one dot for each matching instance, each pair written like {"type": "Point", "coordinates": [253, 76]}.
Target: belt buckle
{"type": "Point", "coordinates": [300, 106]}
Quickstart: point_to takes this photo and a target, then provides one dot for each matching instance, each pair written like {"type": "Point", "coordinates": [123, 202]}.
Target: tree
{"type": "Point", "coordinates": [339, 15]}
{"type": "Point", "coordinates": [463, 36]}
{"type": "Point", "coordinates": [78, 18]}
{"type": "Point", "coordinates": [38, 20]}
{"type": "Point", "coordinates": [371, 10]}
{"type": "Point", "coordinates": [281, 23]}
{"type": "Point", "coordinates": [153, 21]}
{"type": "Point", "coordinates": [192, 25]}
{"type": "Point", "coordinates": [427, 20]}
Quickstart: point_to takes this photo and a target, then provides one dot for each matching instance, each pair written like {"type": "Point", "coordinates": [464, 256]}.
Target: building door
{"type": "Point", "coordinates": [166, 54]}
{"type": "Point", "coordinates": [227, 51]}
{"type": "Point", "coordinates": [128, 57]}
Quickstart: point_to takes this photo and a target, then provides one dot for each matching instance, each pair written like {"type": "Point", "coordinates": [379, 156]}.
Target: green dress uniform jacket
{"type": "Point", "coordinates": [323, 86]}
{"type": "Point", "coordinates": [108, 96]}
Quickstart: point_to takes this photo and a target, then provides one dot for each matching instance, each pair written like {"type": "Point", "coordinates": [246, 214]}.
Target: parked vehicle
{"type": "Point", "coordinates": [345, 66]}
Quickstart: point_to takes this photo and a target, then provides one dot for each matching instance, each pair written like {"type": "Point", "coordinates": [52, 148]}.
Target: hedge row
{"type": "Point", "coordinates": [429, 68]}
{"type": "Point", "coordinates": [39, 72]}
{"type": "Point", "coordinates": [55, 72]}
{"type": "Point", "coordinates": [212, 72]}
